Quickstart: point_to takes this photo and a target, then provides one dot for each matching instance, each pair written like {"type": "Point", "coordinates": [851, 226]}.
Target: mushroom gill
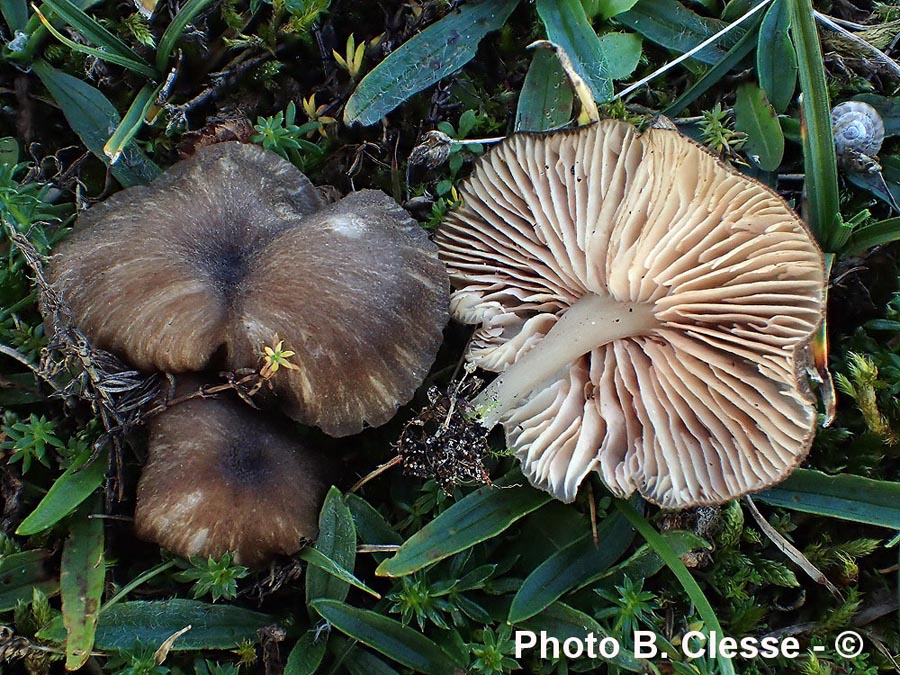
{"type": "Point", "coordinates": [649, 309]}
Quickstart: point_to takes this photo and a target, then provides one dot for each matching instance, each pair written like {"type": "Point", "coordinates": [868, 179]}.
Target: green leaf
{"type": "Point", "coordinates": [371, 526]}
{"type": "Point", "coordinates": [563, 622]}
{"type": "Point", "coordinates": [189, 11]}
{"type": "Point", "coordinates": [360, 662]}
{"type": "Point", "coordinates": [546, 99]}
{"type": "Point", "coordinates": [887, 107]}
{"type": "Point", "coordinates": [673, 562]}
{"type": "Point", "coordinates": [876, 234]}
{"type": "Point", "coordinates": [819, 159]}
{"type": "Point", "coordinates": [132, 122]}
{"type": "Point", "coordinates": [77, 483]}
{"type": "Point", "coordinates": [623, 52]}
{"type": "Point", "coordinates": [879, 184]}
{"type": "Point", "coordinates": [610, 8]}
{"type": "Point", "coordinates": [15, 13]}
{"type": "Point", "coordinates": [321, 561]}
{"type": "Point", "coordinates": [151, 623]}
{"type": "Point", "coordinates": [479, 516]}
{"type": "Point", "coordinates": [776, 60]}
{"type": "Point", "coordinates": [645, 562]}
{"type": "Point", "coordinates": [20, 574]}
{"type": "Point", "coordinates": [569, 568]}
{"type": "Point", "coordinates": [670, 24]}
{"type": "Point", "coordinates": [849, 497]}
{"type": "Point", "coordinates": [81, 581]}
{"type": "Point", "coordinates": [93, 118]}
{"type": "Point", "coordinates": [337, 543]}
{"type": "Point", "coordinates": [307, 655]}
{"type": "Point", "coordinates": [755, 117]}
{"type": "Point", "coordinates": [567, 26]}
{"type": "Point", "coordinates": [404, 645]}
{"type": "Point", "coordinates": [442, 48]}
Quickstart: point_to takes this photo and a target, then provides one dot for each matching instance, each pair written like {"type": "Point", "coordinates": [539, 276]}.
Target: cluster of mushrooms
{"type": "Point", "coordinates": [649, 308]}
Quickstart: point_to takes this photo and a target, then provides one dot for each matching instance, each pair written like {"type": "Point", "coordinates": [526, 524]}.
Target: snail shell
{"type": "Point", "coordinates": [858, 129]}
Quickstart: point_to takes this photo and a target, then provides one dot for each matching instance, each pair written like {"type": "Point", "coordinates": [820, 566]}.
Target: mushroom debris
{"type": "Point", "coordinates": [649, 308]}
{"type": "Point", "coordinates": [205, 266]}
{"type": "Point", "coordinates": [223, 477]}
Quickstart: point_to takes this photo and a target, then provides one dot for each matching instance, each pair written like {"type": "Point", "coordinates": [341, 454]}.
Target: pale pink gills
{"type": "Point", "coordinates": [658, 307]}
{"type": "Point", "coordinates": [222, 477]}
{"type": "Point", "coordinates": [205, 266]}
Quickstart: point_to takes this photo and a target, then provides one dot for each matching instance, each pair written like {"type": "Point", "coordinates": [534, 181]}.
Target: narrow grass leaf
{"type": "Point", "coordinates": [545, 101]}
{"type": "Point", "coordinates": [20, 574]}
{"type": "Point", "coordinates": [77, 483]}
{"type": "Point", "coordinates": [442, 48]}
{"type": "Point", "coordinates": [93, 32]}
{"type": "Point", "coordinates": [371, 526]}
{"type": "Point", "coordinates": [725, 65]}
{"type": "Point", "coordinates": [152, 622]}
{"type": "Point", "coordinates": [401, 643]}
{"type": "Point", "coordinates": [819, 160]}
{"type": "Point", "coordinates": [81, 580]}
{"type": "Point", "coordinates": [670, 24]}
{"type": "Point", "coordinates": [337, 543]}
{"type": "Point", "coordinates": [477, 517]}
{"type": "Point", "coordinates": [568, 569]}
{"type": "Point", "coordinates": [189, 11]}
{"type": "Point", "coordinates": [15, 13]}
{"type": "Point", "coordinates": [321, 561]}
{"type": "Point", "coordinates": [845, 496]}
{"type": "Point", "coordinates": [645, 562]}
{"type": "Point", "coordinates": [876, 234]}
{"type": "Point", "coordinates": [673, 562]}
{"type": "Point", "coordinates": [754, 116]}
{"type": "Point", "coordinates": [889, 109]}
{"type": "Point", "coordinates": [563, 622]}
{"type": "Point", "coordinates": [776, 60]}
{"type": "Point", "coordinates": [94, 118]}
{"type": "Point", "coordinates": [131, 122]}
{"type": "Point", "coordinates": [306, 656]}
{"type": "Point", "coordinates": [568, 27]}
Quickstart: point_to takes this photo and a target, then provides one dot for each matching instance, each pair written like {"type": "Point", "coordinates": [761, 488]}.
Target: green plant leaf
{"type": "Point", "coordinates": [151, 623]}
{"type": "Point", "coordinates": [358, 661]}
{"type": "Point", "coordinates": [545, 101]}
{"type": "Point", "coordinates": [477, 517]}
{"type": "Point", "coordinates": [93, 118]}
{"type": "Point", "coordinates": [845, 496]}
{"type": "Point", "coordinates": [889, 109]}
{"type": "Point", "coordinates": [670, 24]}
{"type": "Point", "coordinates": [567, 26]}
{"type": "Point", "coordinates": [562, 622]}
{"type": "Point", "coordinates": [673, 562]}
{"type": "Point", "coordinates": [337, 543]}
{"type": "Point", "coordinates": [623, 53]}
{"type": "Point", "coordinates": [755, 117]}
{"type": "Point", "coordinates": [188, 12]}
{"type": "Point", "coordinates": [77, 483]}
{"type": "Point", "coordinates": [879, 184]}
{"type": "Point", "coordinates": [20, 574]}
{"type": "Point", "coordinates": [15, 13]}
{"type": "Point", "coordinates": [610, 8]}
{"type": "Point", "coordinates": [82, 576]}
{"type": "Point", "coordinates": [645, 562]}
{"type": "Point", "coordinates": [319, 560]}
{"type": "Point", "coordinates": [876, 234]}
{"type": "Point", "coordinates": [776, 60]}
{"type": "Point", "coordinates": [569, 568]}
{"type": "Point", "coordinates": [307, 655]}
{"type": "Point", "coordinates": [819, 159]}
{"type": "Point", "coordinates": [131, 122]}
{"type": "Point", "coordinates": [371, 526]}
{"type": "Point", "coordinates": [404, 645]}
{"type": "Point", "coordinates": [442, 48]}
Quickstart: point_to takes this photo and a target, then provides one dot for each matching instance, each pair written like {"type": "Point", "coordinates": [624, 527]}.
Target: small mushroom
{"type": "Point", "coordinates": [222, 477]}
{"type": "Point", "coordinates": [205, 266]}
{"type": "Point", "coordinates": [648, 307]}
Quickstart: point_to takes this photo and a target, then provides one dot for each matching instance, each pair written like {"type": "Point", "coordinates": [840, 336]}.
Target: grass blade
{"type": "Point", "coordinates": [876, 234]}
{"type": "Point", "coordinates": [131, 123]}
{"type": "Point", "coordinates": [396, 641]}
{"type": "Point", "coordinates": [673, 562]}
{"type": "Point", "coordinates": [479, 516]}
{"type": "Point", "coordinates": [172, 34]}
{"type": "Point", "coordinates": [15, 13]}
{"type": "Point", "coordinates": [845, 496]}
{"type": "Point", "coordinates": [442, 48]}
{"type": "Point", "coordinates": [819, 159]}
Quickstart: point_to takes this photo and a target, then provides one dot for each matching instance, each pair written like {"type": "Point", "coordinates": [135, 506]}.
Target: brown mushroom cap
{"type": "Point", "coordinates": [684, 297]}
{"type": "Point", "coordinates": [206, 265]}
{"type": "Point", "coordinates": [222, 477]}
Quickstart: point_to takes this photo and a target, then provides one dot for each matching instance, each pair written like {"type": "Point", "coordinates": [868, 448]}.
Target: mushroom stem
{"type": "Point", "coordinates": [590, 322]}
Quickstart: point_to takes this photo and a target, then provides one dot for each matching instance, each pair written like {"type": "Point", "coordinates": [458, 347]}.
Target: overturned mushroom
{"type": "Point", "coordinates": [222, 477]}
{"type": "Point", "coordinates": [206, 265]}
{"type": "Point", "coordinates": [649, 308]}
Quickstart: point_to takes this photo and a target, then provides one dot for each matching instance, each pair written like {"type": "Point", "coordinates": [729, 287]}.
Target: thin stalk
{"type": "Point", "coordinates": [592, 321]}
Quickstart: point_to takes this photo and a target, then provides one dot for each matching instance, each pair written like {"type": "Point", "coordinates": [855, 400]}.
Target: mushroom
{"type": "Point", "coordinates": [650, 310]}
{"type": "Point", "coordinates": [222, 477]}
{"type": "Point", "coordinates": [205, 266]}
